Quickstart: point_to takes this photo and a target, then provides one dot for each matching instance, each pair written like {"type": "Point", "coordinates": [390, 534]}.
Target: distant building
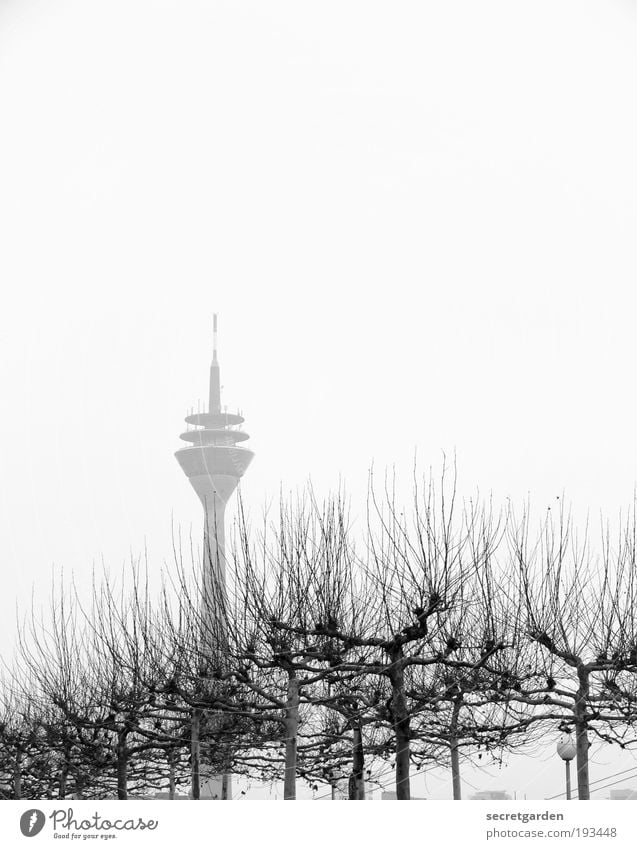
{"type": "Point", "coordinates": [165, 795]}
{"type": "Point", "coordinates": [490, 794]}
{"type": "Point", "coordinates": [623, 793]}
{"type": "Point", "coordinates": [390, 796]}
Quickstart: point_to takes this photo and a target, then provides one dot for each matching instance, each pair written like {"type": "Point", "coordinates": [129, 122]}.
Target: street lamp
{"type": "Point", "coordinates": [567, 751]}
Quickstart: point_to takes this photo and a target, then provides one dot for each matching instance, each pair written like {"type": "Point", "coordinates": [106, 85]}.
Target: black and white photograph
{"type": "Point", "coordinates": [318, 467]}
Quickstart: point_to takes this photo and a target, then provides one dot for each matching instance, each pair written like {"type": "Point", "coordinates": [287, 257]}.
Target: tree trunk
{"type": "Point", "coordinates": [357, 781]}
{"type": "Point", "coordinates": [400, 718]}
{"type": "Point", "coordinates": [455, 757]}
{"type": "Point", "coordinates": [64, 774]}
{"type": "Point", "coordinates": [402, 760]}
{"type": "Point", "coordinates": [581, 735]}
{"type": "Point", "coordinates": [225, 786]}
{"type": "Point", "coordinates": [17, 776]}
{"type": "Point", "coordinates": [79, 784]}
{"type": "Point", "coordinates": [122, 764]}
{"type": "Point", "coordinates": [291, 732]}
{"type": "Point", "coordinates": [195, 754]}
{"type": "Point", "coordinates": [171, 774]}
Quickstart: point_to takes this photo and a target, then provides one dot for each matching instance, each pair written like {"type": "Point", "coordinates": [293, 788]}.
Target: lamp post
{"type": "Point", "coordinates": [567, 751]}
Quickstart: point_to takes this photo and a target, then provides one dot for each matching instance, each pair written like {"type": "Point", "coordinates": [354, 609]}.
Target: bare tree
{"type": "Point", "coordinates": [578, 612]}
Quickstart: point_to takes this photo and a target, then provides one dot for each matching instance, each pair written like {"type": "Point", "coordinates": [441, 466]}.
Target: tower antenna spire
{"type": "Point", "coordinates": [214, 399]}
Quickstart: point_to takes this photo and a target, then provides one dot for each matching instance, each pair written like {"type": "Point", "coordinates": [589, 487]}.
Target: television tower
{"type": "Point", "coordinates": [214, 464]}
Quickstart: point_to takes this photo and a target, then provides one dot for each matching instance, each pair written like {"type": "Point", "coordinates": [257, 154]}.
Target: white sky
{"type": "Point", "coordinates": [415, 219]}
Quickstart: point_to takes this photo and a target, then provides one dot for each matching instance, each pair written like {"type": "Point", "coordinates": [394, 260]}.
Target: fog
{"type": "Point", "coordinates": [415, 221]}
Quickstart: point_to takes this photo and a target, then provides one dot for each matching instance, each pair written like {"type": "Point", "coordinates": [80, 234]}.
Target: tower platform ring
{"type": "Point", "coordinates": [212, 437]}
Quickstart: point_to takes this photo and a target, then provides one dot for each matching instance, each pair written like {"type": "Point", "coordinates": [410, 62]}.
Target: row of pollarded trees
{"type": "Point", "coordinates": [438, 633]}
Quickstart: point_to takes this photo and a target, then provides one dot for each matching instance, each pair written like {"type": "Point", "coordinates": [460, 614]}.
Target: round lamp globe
{"type": "Point", "coordinates": [566, 748]}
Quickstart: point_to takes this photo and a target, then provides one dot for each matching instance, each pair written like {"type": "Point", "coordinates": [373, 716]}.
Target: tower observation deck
{"type": "Point", "coordinates": [214, 462]}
